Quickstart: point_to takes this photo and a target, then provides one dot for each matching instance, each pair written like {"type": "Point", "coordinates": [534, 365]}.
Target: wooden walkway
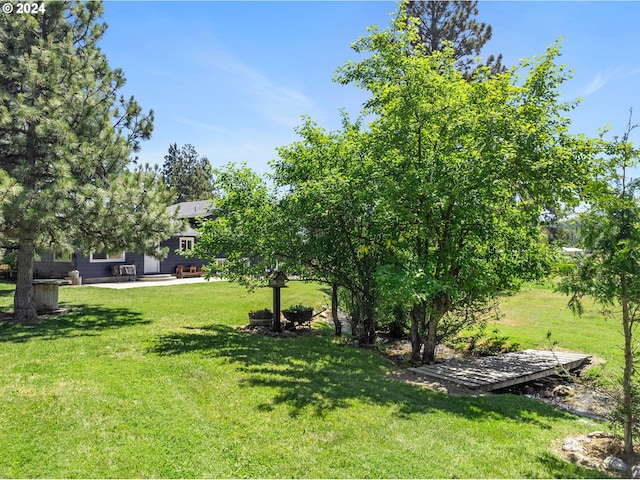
{"type": "Point", "coordinates": [500, 371]}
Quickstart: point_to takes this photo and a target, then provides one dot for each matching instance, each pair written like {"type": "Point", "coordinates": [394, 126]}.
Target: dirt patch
{"type": "Point", "coordinates": [289, 330]}
{"type": "Point", "coordinates": [600, 451]}
{"type": "Point", "coordinates": [440, 386]}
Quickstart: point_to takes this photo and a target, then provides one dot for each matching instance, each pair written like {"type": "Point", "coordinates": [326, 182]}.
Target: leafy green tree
{"type": "Point", "coordinates": [442, 21]}
{"type": "Point", "coordinates": [568, 230]}
{"type": "Point", "coordinates": [467, 168]}
{"type": "Point", "coordinates": [66, 140]}
{"type": "Point", "coordinates": [323, 225]}
{"type": "Point", "coordinates": [244, 229]}
{"type": "Point", "coordinates": [187, 173]}
{"type": "Point", "coordinates": [609, 271]}
{"type": "Point", "coordinates": [335, 224]}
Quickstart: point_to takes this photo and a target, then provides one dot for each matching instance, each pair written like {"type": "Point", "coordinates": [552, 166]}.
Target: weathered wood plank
{"type": "Point", "coordinates": [438, 376]}
{"type": "Point", "coordinates": [500, 371]}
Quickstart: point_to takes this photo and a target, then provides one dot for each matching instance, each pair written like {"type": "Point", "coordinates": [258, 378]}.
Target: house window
{"type": "Point", "coordinates": [186, 243]}
{"type": "Point", "coordinates": [62, 257]}
{"type": "Point", "coordinates": [106, 257]}
{"type": "Point", "coordinates": [220, 262]}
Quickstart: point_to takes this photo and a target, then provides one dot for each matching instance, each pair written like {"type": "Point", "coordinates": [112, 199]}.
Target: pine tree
{"type": "Point", "coordinates": [441, 21]}
{"type": "Point", "coordinates": [187, 173]}
{"type": "Point", "coordinates": [66, 140]}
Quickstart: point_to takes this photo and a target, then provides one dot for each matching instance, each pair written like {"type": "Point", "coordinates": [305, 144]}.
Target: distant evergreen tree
{"type": "Point", "coordinates": [187, 173]}
{"type": "Point", "coordinates": [440, 20]}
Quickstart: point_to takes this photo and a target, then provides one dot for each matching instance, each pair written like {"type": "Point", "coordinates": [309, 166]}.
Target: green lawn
{"type": "Point", "coordinates": [157, 382]}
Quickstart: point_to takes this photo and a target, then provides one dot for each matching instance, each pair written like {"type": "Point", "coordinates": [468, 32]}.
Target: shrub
{"type": "Point", "coordinates": [298, 308]}
{"type": "Point", "coordinates": [264, 313]}
{"type": "Point", "coordinates": [479, 343]}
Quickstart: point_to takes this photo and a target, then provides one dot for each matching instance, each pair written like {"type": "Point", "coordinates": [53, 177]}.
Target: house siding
{"type": "Point", "coordinates": [46, 267]}
{"type": "Point", "coordinates": [173, 259]}
{"type": "Point", "coordinates": [94, 272]}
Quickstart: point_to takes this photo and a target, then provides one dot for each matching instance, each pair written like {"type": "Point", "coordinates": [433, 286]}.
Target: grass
{"type": "Point", "coordinates": [158, 382]}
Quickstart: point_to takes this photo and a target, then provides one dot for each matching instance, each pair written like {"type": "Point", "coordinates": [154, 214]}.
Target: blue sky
{"type": "Point", "coordinates": [234, 78]}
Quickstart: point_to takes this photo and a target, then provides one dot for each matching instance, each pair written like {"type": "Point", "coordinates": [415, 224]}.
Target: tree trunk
{"type": "Point", "coordinates": [418, 316]}
{"type": "Point", "coordinates": [369, 331]}
{"type": "Point", "coordinates": [334, 309]}
{"type": "Point", "coordinates": [431, 342]}
{"type": "Point", "coordinates": [627, 389]}
{"type": "Point", "coordinates": [366, 325]}
{"type": "Point", "coordinates": [439, 306]}
{"type": "Point", "coordinates": [23, 301]}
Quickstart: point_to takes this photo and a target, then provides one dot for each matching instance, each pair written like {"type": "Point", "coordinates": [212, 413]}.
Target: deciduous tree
{"type": "Point", "coordinates": [336, 223]}
{"type": "Point", "coordinates": [66, 140]}
{"type": "Point", "coordinates": [244, 228]}
{"type": "Point", "coordinates": [468, 168]}
{"type": "Point", "coordinates": [609, 271]}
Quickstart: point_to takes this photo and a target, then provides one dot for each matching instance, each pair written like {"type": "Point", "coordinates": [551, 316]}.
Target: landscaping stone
{"type": "Point", "coordinates": [574, 445]}
{"type": "Point", "coordinates": [615, 464]}
{"type": "Point", "coordinates": [344, 321]}
{"type": "Point", "coordinates": [583, 461]}
{"type": "Point", "coordinates": [563, 391]}
{"type": "Point", "coordinates": [590, 451]}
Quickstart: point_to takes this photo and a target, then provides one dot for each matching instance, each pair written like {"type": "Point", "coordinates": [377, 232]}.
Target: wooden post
{"type": "Point", "coordinates": [276, 327]}
{"type": "Point", "coordinates": [276, 281]}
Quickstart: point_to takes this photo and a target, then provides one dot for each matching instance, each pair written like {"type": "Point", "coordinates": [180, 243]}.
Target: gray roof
{"type": "Point", "coordinates": [201, 208]}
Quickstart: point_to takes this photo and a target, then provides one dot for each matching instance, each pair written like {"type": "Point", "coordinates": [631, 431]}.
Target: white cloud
{"type": "Point", "coordinates": [209, 127]}
{"type": "Point", "coordinates": [604, 77]}
{"type": "Point", "coordinates": [596, 84]}
{"type": "Point", "coordinates": [273, 99]}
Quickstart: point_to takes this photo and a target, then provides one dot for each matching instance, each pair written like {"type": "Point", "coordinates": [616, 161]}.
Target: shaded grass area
{"type": "Point", "coordinates": [158, 382]}
{"type": "Point", "coordinates": [84, 320]}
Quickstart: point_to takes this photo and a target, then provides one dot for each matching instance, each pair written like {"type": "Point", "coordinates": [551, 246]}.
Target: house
{"type": "Point", "coordinates": [99, 267]}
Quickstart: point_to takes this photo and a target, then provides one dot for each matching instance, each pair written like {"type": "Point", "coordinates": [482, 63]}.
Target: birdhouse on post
{"type": "Point", "coordinates": [277, 281]}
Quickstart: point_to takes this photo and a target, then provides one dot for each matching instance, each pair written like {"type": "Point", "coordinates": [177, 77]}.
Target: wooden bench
{"type": "Point", "coordinates": [190, 271]}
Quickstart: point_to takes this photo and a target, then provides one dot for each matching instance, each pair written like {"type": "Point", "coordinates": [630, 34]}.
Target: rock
{"type": "Point", "coordinates": [586, 422]}
{"type": "Point", "coordinates": [615, 464]}
{"type": "Point", "coordinates": [635, 471]}
{"type": "Point", "coordinates": [563, 391]}
{"type": "Point", "coordinates": [573, 445]}
{"type": "Point", "coordinates": [579, 459]}
{"type": "Point", "coordinates": [599, 434]}
{"type": "Point", "coordinates": [576, 457]}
